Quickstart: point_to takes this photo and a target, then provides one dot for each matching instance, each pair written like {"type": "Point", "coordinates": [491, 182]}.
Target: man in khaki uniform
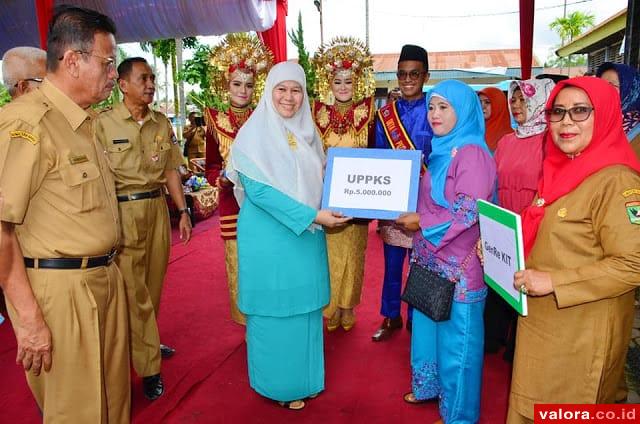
{"type": "Point", "coordinates": [60, 227]}
{"type": "Point", "coordinates": [23, 69]}
{"type": "Point", "coordinates": [144, 157]}
{"type": "Point", "coordinates": [194, 140]}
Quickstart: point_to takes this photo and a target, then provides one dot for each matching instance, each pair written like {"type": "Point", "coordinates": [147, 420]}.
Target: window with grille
{"type": "Point", "coordinates": [613, 53]}
{"type": "Point", "coordinates": [596, 59]}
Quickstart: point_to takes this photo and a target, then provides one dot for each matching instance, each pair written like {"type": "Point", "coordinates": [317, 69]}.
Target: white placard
{"type": "Point", "coordinates": [371, 183]}
{"type": "Point", "coordinates": [366, 183]}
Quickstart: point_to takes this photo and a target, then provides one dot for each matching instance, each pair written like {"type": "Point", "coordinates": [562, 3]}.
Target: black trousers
{"type": "Point", "coordinates": [500, 323]}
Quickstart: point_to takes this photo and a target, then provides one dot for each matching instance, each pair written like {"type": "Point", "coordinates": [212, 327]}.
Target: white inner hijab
{"type": "Point", "coordinates": [261, 149]}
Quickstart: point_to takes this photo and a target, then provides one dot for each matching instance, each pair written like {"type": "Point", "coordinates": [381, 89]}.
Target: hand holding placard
{"type": "Point", "coordinates": [409, 221]}
{"type": "Point", "coordinates": [331, 219]}
{"type": "Point", "coordinates": [536, 283]}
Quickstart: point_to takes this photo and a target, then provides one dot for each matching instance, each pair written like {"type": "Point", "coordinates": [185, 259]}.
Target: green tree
{"type": "Point", "coordinates": [570, 26]}
{"type": "Point", "coordinates": [4, 95]}
{"type": "Point", "coordinates": [197, 71]}
{"type": "Point", "coordinates": [115, 96]}
{"type": "Point", "coordinates": [166, 51]}
{"type": "Point", "coordinates": [297, 38]}
{"type": "Point", "coordinates": [565, 62]}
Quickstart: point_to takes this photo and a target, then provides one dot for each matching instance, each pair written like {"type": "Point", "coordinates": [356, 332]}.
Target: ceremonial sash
{"type": "Point", "coordinates": [394, 130]}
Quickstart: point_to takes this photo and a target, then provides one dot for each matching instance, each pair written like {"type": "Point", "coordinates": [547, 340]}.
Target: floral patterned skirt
{"type": "Point", "coordinates": [446, 361]}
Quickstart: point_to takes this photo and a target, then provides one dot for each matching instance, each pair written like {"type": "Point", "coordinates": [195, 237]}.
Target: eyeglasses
{"type": "Point", "coordinates": [577, 113]}
{"type": "Point", "coordinates": [108, 62]}
{"type": "Point", "coordinates": [413, 75]}
{"type": "Point", "coordinates": [38, 80]}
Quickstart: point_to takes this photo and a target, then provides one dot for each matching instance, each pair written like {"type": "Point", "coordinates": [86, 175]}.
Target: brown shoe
{"type": "Point", "coordinates": [388, 326]}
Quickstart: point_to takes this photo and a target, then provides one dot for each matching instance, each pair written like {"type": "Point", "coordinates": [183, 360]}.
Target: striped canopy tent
{"type": "Point", "coordinates": [25, 22]}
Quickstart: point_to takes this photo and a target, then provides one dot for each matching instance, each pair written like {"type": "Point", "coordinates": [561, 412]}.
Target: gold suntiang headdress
{"type": "Point", "coordinates": [239, 51]}
{"type": "Point", "coordinates": [344, 54]}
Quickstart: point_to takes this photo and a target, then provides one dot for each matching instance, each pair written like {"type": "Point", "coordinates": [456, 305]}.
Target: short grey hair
{"type": "Point", "coordinates": [20, 63]}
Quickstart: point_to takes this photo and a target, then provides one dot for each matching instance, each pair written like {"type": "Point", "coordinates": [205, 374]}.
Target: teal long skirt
{"type": "Point", "coordinates": [285, 355]}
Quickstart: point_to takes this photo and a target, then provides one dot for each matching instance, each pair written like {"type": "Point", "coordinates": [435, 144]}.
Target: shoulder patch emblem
{"type": "Point", "coordinates": [25, 135]}
{"type": "Point", "coordinates": [631, 191]}
{"type": "Point", "coordinates": [633, 212]}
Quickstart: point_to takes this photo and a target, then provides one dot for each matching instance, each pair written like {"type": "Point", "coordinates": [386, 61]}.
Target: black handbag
{"type": "Point", "coordinates": [429, 293]}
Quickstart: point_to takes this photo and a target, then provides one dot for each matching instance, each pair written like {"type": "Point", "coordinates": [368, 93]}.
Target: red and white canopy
{"type": "Point", "coordinates": [24, 22]}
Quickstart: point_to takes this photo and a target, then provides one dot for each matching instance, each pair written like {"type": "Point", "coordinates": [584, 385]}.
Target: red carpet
{"type": "Point", "coordinates": [207, 380]}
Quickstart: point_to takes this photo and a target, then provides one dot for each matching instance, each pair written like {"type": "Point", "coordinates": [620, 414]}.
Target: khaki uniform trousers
{"type": "Point", "coordinates": [231, 265]}
{"type": "Point", "coordinates": [86, 311]}
{"type": "Point", "coordinates": [143, 261]}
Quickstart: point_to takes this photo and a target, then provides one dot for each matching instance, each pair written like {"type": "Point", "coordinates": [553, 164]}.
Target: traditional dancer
{"type": "Point", "coordinates": [344, 118]}
{"type": "Point", "coordinates": [240, 66]}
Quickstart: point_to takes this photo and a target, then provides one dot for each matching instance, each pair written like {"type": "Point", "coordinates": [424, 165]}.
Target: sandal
{"type": "Point", "coordinates": [294, 405]}
{"type": "Point", "coordinates": [334, 322]}
{"type": "Point", "coordinates": [347, 320]}
{"type": "Point", "coordinates": [411, 399]}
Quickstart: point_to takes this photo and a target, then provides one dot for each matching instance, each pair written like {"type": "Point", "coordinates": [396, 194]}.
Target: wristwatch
{"type": "Point", "coordinates": [184, 210]}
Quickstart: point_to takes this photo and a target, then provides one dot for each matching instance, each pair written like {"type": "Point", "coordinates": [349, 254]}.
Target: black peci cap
{"type": "Point", "coordinates": [411, 52]}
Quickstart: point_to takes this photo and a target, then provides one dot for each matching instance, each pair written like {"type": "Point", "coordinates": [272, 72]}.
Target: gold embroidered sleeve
{"type": "Point", "coordinates": [322, 117]}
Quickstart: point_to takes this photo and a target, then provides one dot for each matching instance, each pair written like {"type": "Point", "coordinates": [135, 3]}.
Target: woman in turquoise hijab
{"type": "Point", "coordinates": [446, 356]}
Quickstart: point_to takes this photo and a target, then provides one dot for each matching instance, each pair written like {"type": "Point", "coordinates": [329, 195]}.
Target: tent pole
{"type": "Point", "coordinates": [181, 104]}
{"type": "Point", "coordinates": [632, 35]}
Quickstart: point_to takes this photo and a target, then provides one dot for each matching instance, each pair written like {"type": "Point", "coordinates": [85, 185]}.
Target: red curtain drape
{"type": "Point", "coordinates": [527, 11]}
{"type": "Point", "coordinates": [276, 37]}
{"type": "Point", "coordinates": [44, 11]}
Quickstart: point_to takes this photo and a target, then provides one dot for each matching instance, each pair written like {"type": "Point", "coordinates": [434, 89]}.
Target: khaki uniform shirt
{"type": "Point", "coordinates": [197, 145]}
{"type": "Point", "coordinates": [55, 178]}
{"type": "Point", "coordinates": [139, 154]}
{"type": "Point", "coordinates": [571, 347]}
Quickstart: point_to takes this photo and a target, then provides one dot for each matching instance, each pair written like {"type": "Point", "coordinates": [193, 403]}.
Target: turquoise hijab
{"type": "Point", "coordinates": [469, 130]}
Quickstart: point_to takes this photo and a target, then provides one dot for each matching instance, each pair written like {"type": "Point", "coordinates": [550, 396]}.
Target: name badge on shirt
{"type": "Point", "coordinates": [120, 141]}
{"type": "Point", "coordinates": [76, 159]}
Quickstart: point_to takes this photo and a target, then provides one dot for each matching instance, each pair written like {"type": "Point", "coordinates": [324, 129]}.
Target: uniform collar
{"type": "Point", "coordinates": [124, 113]}
{"type": "Point", "coordinates": [74, 114]}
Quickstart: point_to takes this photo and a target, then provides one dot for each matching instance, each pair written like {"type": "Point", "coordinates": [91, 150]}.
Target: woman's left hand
{"type": "Point", "coordinates": [409, 221]}
{"type": "Point", "coordinates": [532, 282]}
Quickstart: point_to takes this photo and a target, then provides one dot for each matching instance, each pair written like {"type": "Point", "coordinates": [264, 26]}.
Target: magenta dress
{"type": "Point", "coordinates": [519, 165]}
